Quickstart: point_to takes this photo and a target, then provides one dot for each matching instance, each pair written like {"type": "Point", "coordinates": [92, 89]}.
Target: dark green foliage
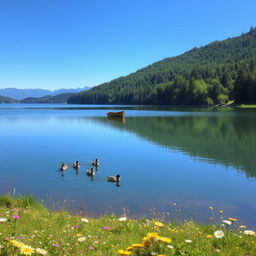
{"type": "Point", "coordinates": [60, 98]}
{"type": "Point", "coordinates": [206, 75]}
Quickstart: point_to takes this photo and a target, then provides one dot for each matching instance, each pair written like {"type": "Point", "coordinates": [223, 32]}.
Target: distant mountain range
{"type": "Point", "coordinates": [20, 94]}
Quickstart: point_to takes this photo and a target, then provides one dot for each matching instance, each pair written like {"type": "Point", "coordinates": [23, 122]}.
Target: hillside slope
{"type": "Point", "coordinates": [7, 100]}
{"type": "Point", "coordinates": [61, 98]}
{"type": "Point", "coordinates": [208, 75]}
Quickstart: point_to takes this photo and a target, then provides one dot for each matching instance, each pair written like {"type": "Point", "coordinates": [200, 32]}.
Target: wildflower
{"type": "Point", "coordinates": [41, 251]}
{"type": "Point", "coordinates": [210, 208]}
{"type": "Point", "coordinates": [228, 222]}
{"type": "Point", "coordinates": [188, 241]}
{"type": "Point", "coordinates": [232, 219]}
{"type": "Point", "coordinates": [158, 224]}
{"type": "Point", "coordinates": [16, 243]}
{"type": "Point", "coordinates": [90, 248]}
{"type": "Point", "coordinates": [164, 239]}
{"type": "Point", "coordinates": [174, 204]}
{"type": "Point", "coordinates": [209, 236]}
{"type": "Point", "coordinates": [220, 212]}
{"type": "Point", "coordinates": [3, 219]}
{"type": "Point", "coordinates": [152, 235]}
{"type": "Point", "coordinates": [122, 218]}
{"type": "Point", "coordinates": [129, 248]}
{"type": "Point", "coordinates": [170, 247]}
{"type": "Point", "coordinates": [219, 234]}
{"type": "Point", "coordinates": [106, 228]}
{"type": "Point", "coordinates": [16, 217]}
{"type": "Point", "coordinates": [84, 220]}
{"type": "Point", "coordinates": [26, 250]}
{"type": "Point", "coordinates": [123, 252]}
{"type": "Point", "coordinates": [249, 232]}
{"type": "Point", "coordinates": [78, 235]}
{"type": "Point", "coordinates": [56, 244]}
{"type": "Point", "coordinates": [81, 239]}
{"type": "Point", "coordinates": [137, 245]}
{"type": "Point", "coordinates": [242, 226]}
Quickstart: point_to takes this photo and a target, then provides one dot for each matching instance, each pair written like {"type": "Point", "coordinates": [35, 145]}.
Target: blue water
{"type": "Point", "coordinates": [195, 158]}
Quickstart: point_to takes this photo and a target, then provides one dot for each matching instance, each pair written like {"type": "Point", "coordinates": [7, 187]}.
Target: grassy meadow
{"type": "Point", "coordinates": [28, 228]}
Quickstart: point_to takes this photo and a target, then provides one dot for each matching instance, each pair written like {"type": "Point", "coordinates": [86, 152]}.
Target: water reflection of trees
{"type": "Point", "coordinates": [226, 139]}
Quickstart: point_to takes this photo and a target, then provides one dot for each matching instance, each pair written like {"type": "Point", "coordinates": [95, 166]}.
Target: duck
{"type": "Point", "coordinates": [64, 167]}
{"type": "Point", "coordinates": [114, 178]}
{"type": "Point", "coordinates": [90, 172]}
{"type": "Point", "coordinates": [96, 162]}
{"type": "Point", "coordinates": [76, 165]}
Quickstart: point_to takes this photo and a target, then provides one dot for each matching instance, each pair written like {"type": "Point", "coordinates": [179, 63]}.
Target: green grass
{"type": "Point", "coordinates": [246, 106]}
{"type": "Point", "coordinates": [59, 233]}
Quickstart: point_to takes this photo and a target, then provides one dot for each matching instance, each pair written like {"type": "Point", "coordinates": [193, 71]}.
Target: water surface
{"type": "Point", "coordinates": [195, 158]}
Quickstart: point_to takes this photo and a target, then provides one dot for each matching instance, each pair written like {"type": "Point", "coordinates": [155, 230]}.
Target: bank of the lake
{"type": "Point", "coordinates": [27, 228]}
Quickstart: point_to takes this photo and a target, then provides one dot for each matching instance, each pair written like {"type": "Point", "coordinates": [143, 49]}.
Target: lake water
{"type": "Point", "coordinates": [195, 158]}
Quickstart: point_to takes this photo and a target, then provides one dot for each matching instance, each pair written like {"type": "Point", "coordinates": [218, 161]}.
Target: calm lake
{"type": "Point", "coordinates": [195, 158]}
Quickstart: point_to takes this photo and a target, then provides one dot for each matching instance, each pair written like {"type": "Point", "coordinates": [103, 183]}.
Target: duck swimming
{"type": "Point", "coordinates": [90, 172]}
{"type": "Point", "coordinates": [114, 178]}
{"type": "Point", "coordinates": [76, 165]}
{"type": "Point", "coordinates": [64, 167]}
{"type": "Point", "coordinates": [96, 162]}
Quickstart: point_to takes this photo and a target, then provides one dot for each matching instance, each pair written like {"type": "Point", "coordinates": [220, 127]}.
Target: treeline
{"type": "Point", "coordinates": [60, 98]}
{"type": "Point", "coordinates": [208, 75]}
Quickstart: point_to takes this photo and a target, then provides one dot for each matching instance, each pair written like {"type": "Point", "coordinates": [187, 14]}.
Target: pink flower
{"type": "Point", "coordinates": [106, 228]}
{"type": "Point", "coordinates": [16, 217]}
{"type": "Point", "coordinates": [90, 248]}
{"type": "Point", "coordinates": [57, 244]}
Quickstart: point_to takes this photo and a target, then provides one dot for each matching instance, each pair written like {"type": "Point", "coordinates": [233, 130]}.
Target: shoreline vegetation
{"type": "Point", "coordinates": [28, 228]}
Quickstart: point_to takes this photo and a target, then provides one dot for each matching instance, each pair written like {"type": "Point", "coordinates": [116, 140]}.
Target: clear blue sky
{"type": "Point", "coordinates": [74, 43]}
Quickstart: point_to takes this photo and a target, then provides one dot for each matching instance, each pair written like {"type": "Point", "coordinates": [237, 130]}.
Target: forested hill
{"type": "Point", "coordinates": [7, 100]}
{"type": "Point", "coordinates": [212, 74]}
{"type": "Point", "coordinates": [60, 98]}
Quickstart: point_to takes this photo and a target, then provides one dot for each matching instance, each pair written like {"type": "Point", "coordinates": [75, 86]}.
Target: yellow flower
{"type": "Point", "coordinates": [209, 236]}
{"type": "Point", "coordinates": [152, 235]}
{"type": "Point", "coordinates": [137, 245]}
{"type": "Point", "coordinates": [164, 239]}
{"type": "Point", "coordinates": [16, 243]}
{"type": "Point", "coordinates": [211, 208]}
{"type": "Point", "coordinates": [220, 212]}
{"type": "Point", "coordinates": [26, 250]}
{"type": "Point", "coordinates": [123, 252]}
{"type": "Point", "coordinates": [159, 224]}
{"type": "Point", "coordinates": [160, 255]}
{"type": "Point", "coordinates": [78, 235]}
{"type": "Point", "coordinates": [129, 248]}
{"type": "Point", "coordinates": [232, 219]}
{"type": "Point", "coordinates": [242, 226]}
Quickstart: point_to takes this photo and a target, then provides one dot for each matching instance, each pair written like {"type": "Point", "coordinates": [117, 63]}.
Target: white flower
{"type": "Point", "coordinates": [153, 253]}
{"type": "Point", "coordinates": [1, 246]}
{"type": "Point", "coordinates": [122, 219]}
{"type": "Point", "coordinates": [219, 234]}
{"type": "Point", "coordinates": [81, 239]}
{"type": "Point", "coordinates": [249, 232]}
{"type": "Point", "coordinates": [188, 241]}
{"type": "Point", "coordinates": [84, 220]}
{"type": "Point", "coordinates": [3, 219]}
{"type": "Point", "coordinates": [41, 251]}
{"type": "Point", "coordinates": [228, 222]}
{"type": "Point", "coordinates": [169, 246]}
